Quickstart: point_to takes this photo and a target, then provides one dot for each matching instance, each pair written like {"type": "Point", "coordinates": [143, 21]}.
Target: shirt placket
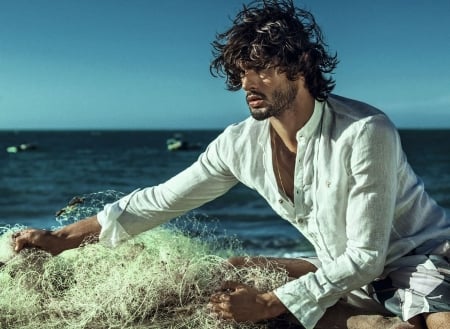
{"type": "Point", "coordinates": [303, 203]}
{"type": "Point", "coordinates": [300, 211]}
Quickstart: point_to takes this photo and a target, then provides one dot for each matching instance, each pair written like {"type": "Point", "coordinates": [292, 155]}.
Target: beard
{"type": "Point", "coordinates": [281, 101]}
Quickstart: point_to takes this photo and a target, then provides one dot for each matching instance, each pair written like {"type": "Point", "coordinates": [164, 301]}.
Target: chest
{"type": "Point", "coordinates": [283, 163]}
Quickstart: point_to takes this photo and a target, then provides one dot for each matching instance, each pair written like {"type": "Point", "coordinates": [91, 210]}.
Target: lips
{"type": "Point", "coordinates": [254, 100]}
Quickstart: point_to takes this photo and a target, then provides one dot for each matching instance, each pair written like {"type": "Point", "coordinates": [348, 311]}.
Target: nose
{"type": "Point", "coordinates": [249, 80]}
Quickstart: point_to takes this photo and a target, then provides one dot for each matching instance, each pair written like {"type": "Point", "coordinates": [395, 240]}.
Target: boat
{"type": "Point", "coordinates": [21, 148]}
{"type": "Point", "coordinates": [176, 143]}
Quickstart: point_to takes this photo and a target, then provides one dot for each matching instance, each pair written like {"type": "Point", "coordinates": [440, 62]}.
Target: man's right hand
{"type": "Point", "coordinates": [55, 242]}
{"type": "Point", "coordinates": [33, 238]}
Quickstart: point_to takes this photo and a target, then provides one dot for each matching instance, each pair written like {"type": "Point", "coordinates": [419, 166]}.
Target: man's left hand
{"type": "Point", "coordinates": [242, 303]}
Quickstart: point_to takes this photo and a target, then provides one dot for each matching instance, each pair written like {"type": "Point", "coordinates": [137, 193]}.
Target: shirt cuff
{"type": "Point", "coordinates": [297, 299]}
{"type": "Point", "coordinates": [112, 233]}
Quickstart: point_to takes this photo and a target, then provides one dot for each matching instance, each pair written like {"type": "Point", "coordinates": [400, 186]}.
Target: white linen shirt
{"type": "Point", "coordinates": [356, 199]}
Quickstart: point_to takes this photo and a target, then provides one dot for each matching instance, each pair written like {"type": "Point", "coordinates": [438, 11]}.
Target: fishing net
{"type": "Point", "coordinates": [160, 279]}
{"type": "Point", "coordinates": [85, 206]}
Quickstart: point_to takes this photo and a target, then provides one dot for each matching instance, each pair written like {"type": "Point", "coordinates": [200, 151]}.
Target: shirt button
{"type": "Point", "coordinates": [280, 200]}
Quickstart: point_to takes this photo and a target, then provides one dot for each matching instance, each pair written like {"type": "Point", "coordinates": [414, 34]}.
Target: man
{"type": "Point", "coordinates": [331, 166]}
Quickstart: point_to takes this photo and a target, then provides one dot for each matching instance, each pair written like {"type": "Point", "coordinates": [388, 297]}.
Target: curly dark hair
{"type": "Point", "coordinates": [272, 33]}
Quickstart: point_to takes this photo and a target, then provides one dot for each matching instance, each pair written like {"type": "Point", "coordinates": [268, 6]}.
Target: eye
{"type": "Point", "coordinates": [265, 72]}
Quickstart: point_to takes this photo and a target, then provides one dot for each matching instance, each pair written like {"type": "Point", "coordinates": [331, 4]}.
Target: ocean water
{"type": "Point", "coordinates": [35, 184]}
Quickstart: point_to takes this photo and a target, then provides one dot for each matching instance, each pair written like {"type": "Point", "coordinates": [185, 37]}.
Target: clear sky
{"type": "Point", "coordinates": [144, 64]}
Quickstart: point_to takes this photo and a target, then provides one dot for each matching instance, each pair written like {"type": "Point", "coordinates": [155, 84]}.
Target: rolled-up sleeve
{"type": "Point", "coordinates": [372, 176]}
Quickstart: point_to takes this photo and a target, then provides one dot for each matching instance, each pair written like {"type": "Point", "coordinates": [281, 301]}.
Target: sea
{"type": "Point", "coordinates": [35, 184]}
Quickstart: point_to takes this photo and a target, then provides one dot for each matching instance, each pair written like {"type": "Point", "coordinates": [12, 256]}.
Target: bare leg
{"type": "Point", "coordinates": [338, 317]}
{"type": "Point", "coordinates": [381, 322]}
{"type": "Point", "coordinates": [293, 266]}
{"type": "Point", "coordinates": [440, 320]}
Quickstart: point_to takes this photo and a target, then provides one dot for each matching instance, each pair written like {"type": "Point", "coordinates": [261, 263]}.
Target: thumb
{"type": "Point", "coordinates": [19, 243]}
{"type": "Point", "coordinates": [21, 240]}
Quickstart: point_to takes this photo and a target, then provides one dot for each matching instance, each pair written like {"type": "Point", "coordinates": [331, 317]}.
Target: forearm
{"type": "Point", "coordinates": [73, 235]}
{"type": "Point", "coordinates": [55, 242]}
{"type": "Point", "coordinates": [294, 267]}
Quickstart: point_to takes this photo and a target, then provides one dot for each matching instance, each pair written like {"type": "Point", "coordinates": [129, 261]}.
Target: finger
{"type": "Point", "coordinates": [22, 240]}
{"type": "Point", "coordinates": [224, 315]}
{"type": "Point", "coordinates": [221, 311]}
{"type": "Point", "coordinates": [222, 306]}
{"type": "Point", "coordinates": [19, 243]}
{"type": "Point", "coordinates": [214, 298]}
{"type": "Point", "coordinates": [215, 312]}
{"type": "Point", "coordinates": [219, 298]}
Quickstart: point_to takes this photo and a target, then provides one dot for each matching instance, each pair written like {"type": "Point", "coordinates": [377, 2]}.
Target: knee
{"type": "Point", "coordinates": [438, 320]}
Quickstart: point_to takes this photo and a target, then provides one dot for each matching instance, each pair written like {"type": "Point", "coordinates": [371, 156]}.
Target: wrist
{"type": "Point", "coordinates": [57, 242]}
{"type": "Point", "coordinates": [64, 239]}
{"type": "Point", "coordinates": [274, 307]}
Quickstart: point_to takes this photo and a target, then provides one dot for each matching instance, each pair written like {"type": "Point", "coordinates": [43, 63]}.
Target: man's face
{"type": "Point", "coordinates": [268, 92]}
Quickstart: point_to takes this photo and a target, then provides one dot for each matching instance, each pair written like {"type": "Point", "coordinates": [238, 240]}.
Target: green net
{"type": "Point", "coordinates": [160, 279]}
{"type": "Point", "coordinates": [85, 206]}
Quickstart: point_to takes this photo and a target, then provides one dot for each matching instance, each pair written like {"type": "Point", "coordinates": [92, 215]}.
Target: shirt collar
{"type": "Point", "coordinates": [313, 123]}
{"type": "Point", "coordinates": [306, 131]}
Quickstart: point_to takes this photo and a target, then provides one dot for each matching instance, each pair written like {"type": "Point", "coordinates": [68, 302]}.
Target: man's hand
{"type": "Point", "coordinates": [55, 242]}
{"type": "Point", "coordinates": [33, 238]}
{"type": "Point", "coordinates": [243, 303]}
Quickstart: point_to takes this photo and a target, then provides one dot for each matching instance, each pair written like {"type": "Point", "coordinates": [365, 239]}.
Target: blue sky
{"type": "Point", "coordinates": [144, 64]}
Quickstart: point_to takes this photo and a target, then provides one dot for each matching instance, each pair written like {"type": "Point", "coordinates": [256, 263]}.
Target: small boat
{"type": "Point", "coordinates": [176, 143]}
{"type": "Point", "coordinates": [21, 148]}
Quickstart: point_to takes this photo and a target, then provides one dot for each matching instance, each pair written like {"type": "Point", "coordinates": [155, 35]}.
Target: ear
{"type": "Point", "coordinates": [301, 81]}
{"type": "Point", "coordinates": [299, 77]}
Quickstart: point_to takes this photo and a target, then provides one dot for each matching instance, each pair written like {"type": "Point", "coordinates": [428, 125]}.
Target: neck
{"type": "Point", "coordinates": [290, 122]}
